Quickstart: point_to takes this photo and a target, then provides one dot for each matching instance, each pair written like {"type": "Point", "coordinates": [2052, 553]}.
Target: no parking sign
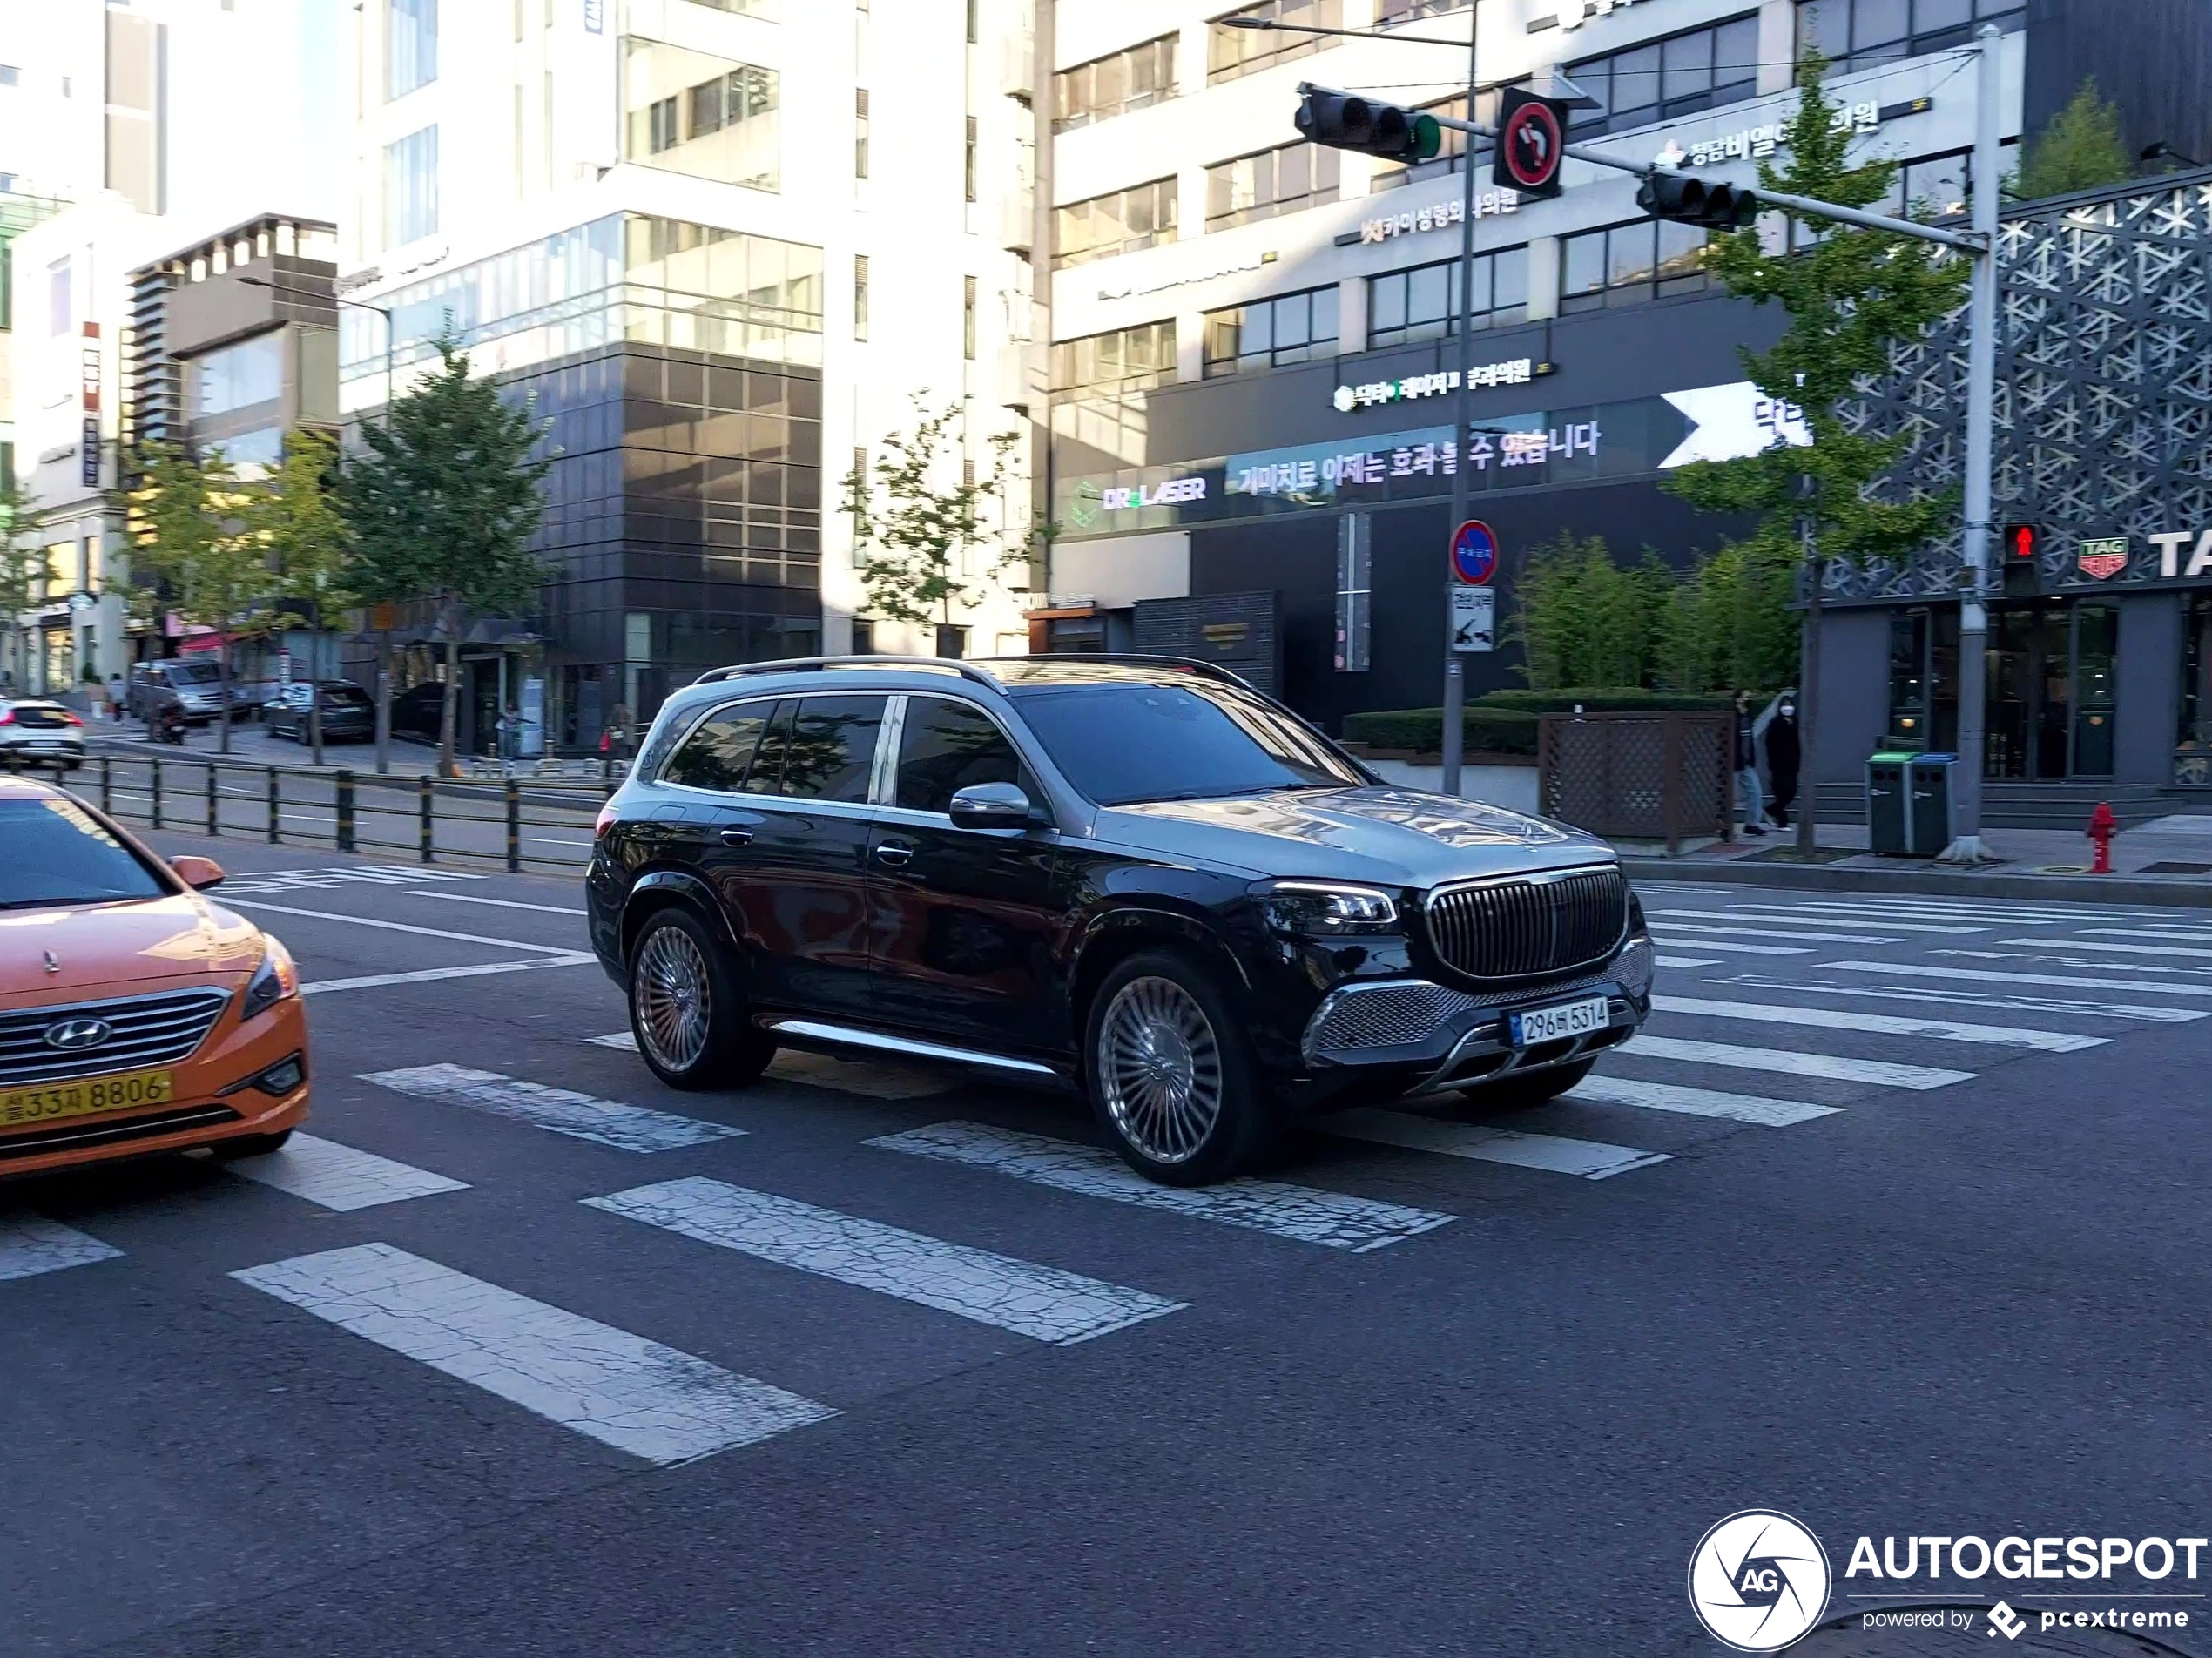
{"type": "Point", "coordinates": [1475, 553]}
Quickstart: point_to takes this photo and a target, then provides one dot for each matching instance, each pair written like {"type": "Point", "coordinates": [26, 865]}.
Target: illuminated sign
{"type": "Point", "coordinates": [1517, 372]}
{"type": "Point", "coordinates": [1757, 142]}
{"type": "Point", "coordinates": [1442, 216]}
{"type": "Point", "coordinates": [1122, 498]}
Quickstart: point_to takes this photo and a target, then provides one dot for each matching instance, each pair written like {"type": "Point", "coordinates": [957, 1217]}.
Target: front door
{"type": "Point", "coordinates": [2051, 691]}
{"type": "Point", "coordinates": [964, 920]}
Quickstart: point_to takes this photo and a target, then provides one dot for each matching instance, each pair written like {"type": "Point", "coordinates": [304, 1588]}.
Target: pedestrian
{"type": "Point", "coordinates": [1783, 754]}
{"type": "Point", "coordinates": [617, 738]}
{"type": "Point", "coordinates": [510, 738]}
{"type": "Point", "coordinates": [1747, 767]}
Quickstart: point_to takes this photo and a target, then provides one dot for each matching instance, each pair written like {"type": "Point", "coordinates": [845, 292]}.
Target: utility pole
{"type": "Point", "coordinates": [1455, 680]}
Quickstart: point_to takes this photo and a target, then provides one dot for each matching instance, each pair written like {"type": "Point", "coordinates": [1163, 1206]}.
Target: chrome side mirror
{"type": "Point", "coordinates": [991, 805]}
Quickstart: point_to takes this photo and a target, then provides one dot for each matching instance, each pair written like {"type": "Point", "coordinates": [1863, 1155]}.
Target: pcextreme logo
{"type": "Point", "coordinates": [1759, 1580]}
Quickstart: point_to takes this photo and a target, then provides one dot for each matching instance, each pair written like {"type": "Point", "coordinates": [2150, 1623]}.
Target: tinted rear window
{"type": "Point", "coordinates": [58, 854]}
{"type": "Point", "coordinates": [830, 748]}
{"type": "Point", "coordinates": [345, 697]}
{"type": "Point", "coordinates": [189, 673]}
{"type": "Point", "coordinates": [1122, 744]}
{"type": "Point", "coordinates": [718, 751]}
{"type": "Point", "coordinates": [31, 714]}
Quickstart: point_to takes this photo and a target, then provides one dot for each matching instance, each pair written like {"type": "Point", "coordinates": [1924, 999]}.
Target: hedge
{"type": "Point", "coordinates": [1606, 700]}
{"type": "Point", "coordinates": [1504, 722]}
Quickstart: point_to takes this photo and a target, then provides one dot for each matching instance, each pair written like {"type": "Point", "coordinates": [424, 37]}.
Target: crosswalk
{"type": "Point", "coordinates": [1775, 1015]}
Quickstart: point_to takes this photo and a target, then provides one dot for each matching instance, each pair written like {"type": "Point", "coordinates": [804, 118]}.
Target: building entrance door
{"type": "Point", "coordinates": [2051, 691]}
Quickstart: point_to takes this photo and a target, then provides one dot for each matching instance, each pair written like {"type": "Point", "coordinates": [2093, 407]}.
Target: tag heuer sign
{"type": "Point", "coordinates": [2103, 558]}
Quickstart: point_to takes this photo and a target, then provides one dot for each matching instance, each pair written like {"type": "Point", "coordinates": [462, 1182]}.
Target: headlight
{"type": "Point", "coordinates": [275, 980]}
{"type": "Point", "coordinates": [1633, 966]}
{"type": "Point", "coordinates": [1323, 910]}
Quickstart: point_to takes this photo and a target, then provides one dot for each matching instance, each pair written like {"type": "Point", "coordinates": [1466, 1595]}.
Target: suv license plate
{"type": "Point", "coordinates": [1549, 1024]}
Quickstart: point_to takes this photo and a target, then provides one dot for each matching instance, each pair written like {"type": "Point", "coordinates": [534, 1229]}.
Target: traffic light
{"type": "Point", "coordinates": [1532, 142]}
{"type": "Point", "coordinates": [2017, 545]}
{"type": "Point", "coordinates": [1692, 201]}
{"type": "Point", "coordinates": [1345, 121]}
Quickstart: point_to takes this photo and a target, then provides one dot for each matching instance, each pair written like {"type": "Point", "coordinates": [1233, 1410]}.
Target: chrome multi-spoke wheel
{"type": "Point", "coordinates": [669, 991]}
{"type": "Point", "coordinates": [1160, 1071]}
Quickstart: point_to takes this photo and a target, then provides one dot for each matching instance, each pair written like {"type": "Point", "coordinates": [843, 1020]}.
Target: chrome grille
{"type": "Point", "coordinates": [1526, 924]}
{"type": "Point", "coordinates": [144, 1031]}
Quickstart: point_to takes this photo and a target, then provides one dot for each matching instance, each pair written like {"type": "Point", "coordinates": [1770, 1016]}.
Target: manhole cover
{"type": "Point", "coordinates": [2063, 869]}
{"type": "Point", "coordinates": [2167, 867]}
{"type": "Point", "coordinates": [1912, 1631]}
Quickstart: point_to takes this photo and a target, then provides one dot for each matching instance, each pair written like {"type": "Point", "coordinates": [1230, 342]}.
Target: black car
{"type": "Point", "coordinates": [348, 716]}
{"type": "Point", "coordinates": [1135, 875]}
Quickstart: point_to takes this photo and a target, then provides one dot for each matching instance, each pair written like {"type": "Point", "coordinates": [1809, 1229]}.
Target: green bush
{"type": "Point", "coordinates": [1603, 699]}
{"type": "Point", "coordinates": [1487, 731]}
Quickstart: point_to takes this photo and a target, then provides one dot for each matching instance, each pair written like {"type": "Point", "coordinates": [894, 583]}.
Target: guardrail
{"type": "Point", "coordinates": [430, 819]}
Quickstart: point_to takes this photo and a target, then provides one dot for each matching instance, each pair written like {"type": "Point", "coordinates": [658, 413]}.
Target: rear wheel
{"type": "Point", "coordinates": [686, 1010]}
{"type": "Point", "coordinates": [1172, 1074]}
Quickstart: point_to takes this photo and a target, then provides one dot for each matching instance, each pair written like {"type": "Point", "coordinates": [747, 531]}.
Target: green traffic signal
{"type": "Point", "coordinates": [1344, 121]}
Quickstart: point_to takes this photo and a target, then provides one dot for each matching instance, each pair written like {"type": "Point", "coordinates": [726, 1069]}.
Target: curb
{"type": "Point", "coordinates": [2183, 892]}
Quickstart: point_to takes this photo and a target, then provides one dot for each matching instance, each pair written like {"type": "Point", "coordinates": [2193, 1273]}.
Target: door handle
{"type": "Point", "coordinates": [895, 852]}
{"type": "Point", "coordinates": [735, 837]}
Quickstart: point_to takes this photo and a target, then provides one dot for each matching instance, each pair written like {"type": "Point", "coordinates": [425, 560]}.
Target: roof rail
{"type": "Point", "coordinates": [1189, 664]}
{"type": "Point", "coordinates": [800, 664]}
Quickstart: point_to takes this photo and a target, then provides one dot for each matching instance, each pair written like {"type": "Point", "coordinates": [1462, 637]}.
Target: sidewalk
{"type": "Point", "coordinates": [252, 746]}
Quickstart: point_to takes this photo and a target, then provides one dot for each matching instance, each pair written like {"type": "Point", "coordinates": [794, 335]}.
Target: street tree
{"type": "Point", "coordinates": [22, 572]}
{"type": "Point", "coordinates": [1850, 295]}
{"type": "Point", "coordinates": [2080, 148]}
{"type": "Point", "coordinates": [189, 529]}
{"type": "Point", "coordinates": [443, 507]}
{"type": "Point", "coordinates": [292, 511]}
{"type": "Point", "coordinates": [920, 509]}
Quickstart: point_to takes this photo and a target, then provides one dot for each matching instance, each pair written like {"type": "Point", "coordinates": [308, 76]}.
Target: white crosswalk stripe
{"type": "Point", "coordinates": [1791, 932]}
{"type": "Point", "coordinates": [2117, 949]}
{"type": "Point", "coordinates": [1733, 947]}
{"type": "Point", "coordinates": [621, 1390]}
{"type": "Point", "coordinates": [1591, 1159]}
{"type": "Point", "coordinates": [2047, 1042]}
{"type": "Point", "coordinates": [1685, 961]}
{"type": "Point", "coordinates": [1956, 997]}
{"type": "Point", "coordinates": [1041, 1302]}
{"type": "Point", "coordinates": [1750, 914]}
{"type": "Point", "coordinates": [340, 1178]}
{"type": "Point", "coordinates": [606, 1123]}
{"type": "Point", "coordinates": [1303, 1213]}
{"type": "Point", "coordinates": [1878, 1073]}
{"type": "Point", "coordinates": [1697, 1103]}
{"type": "Point", "coordinates": [31, 1244]}
{"type": "Point", "coordinates": [1989, 975]}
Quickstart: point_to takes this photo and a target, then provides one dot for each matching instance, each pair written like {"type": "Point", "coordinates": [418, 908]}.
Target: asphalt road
{"type": "Point", "coordinates": [1894, 1221]}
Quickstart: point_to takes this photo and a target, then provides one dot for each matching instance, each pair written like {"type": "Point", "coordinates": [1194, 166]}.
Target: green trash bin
{"type": "Point", "coordinates": [1928, 811]}
{"type": "Point", "coordinates": [1886, 822]}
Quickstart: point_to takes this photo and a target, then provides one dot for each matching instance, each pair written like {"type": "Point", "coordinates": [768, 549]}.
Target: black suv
{"type": "Point", "coordinates": [1135, 875]}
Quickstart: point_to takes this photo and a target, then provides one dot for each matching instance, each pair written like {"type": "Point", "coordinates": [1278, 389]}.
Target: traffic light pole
{"type": "Point", "coordinates": [1455, 680]}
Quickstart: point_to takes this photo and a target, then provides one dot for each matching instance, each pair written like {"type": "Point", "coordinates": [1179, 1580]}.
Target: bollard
{"type": "Point", "coordinates": [156, 791]}
{"type": "Point", "coordinates": [345, 811]}
{"type": "Point", "coordinates": [2101, 828]}
{"type": "Point", "coordinates": [275, 836]}
{"type": "Point", "coordinates": [422, 796]}
{"type": "Point", "coordinates": [513, 826]}
{"type": "Point", "coordinates": [107, 784]}
{"type": "Point", "coordinates": [214, 801]}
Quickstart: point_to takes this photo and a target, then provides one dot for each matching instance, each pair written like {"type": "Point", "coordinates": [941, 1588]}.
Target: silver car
{"type": "Point", "coordinates": [34, 731]}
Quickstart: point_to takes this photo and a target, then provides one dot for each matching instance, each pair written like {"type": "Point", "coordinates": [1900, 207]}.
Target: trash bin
{"type": "Point", "coordinates": [1928, 811]}
{"type": "Point", "coordinates": [1886, 829]}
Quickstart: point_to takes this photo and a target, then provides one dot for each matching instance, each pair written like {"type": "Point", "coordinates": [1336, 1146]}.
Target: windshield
{"type": "Point", "coordinates": [344, 697]}
{"type": "Point", "coordinates": [58, 854]}
{"type": "Point", "coordinates": [191, 673]}
{"type": "Point", "coordinates": [1122, 744]}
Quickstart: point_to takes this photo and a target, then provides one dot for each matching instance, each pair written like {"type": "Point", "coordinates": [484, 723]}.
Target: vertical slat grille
{"type": "Point", "coordinates": [1513, 928]}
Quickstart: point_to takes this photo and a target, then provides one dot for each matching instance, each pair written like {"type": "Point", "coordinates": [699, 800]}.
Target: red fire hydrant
{"type": "Point", "coordinates": [2100, 831]}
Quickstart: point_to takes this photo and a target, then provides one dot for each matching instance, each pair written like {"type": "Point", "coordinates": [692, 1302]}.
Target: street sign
{"type": "Point", "coordinates": [1474, 614]}
{"type": "Point", "coordinates": [1475, 553]}
{"type": "Point", "coordinates": [1531, 143]}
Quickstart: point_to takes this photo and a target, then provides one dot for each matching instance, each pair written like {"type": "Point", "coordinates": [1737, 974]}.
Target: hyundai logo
{"type": "Point", "coordinates": [75, 1033]}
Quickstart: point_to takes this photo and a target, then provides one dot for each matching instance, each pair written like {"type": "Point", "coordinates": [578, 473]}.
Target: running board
{"type": "Point", "coordinates": [850, 1037]}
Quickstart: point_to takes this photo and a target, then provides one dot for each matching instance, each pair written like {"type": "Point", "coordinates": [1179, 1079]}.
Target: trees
{"type": "Point", "coordinates": [189, 528]}
{"type": "Point", "coordinates": [308, 547]}
{"type": "Point", "coordinates": [442, 508]}
{"type": "Point", "coordinates": [915, 528]}
{"type": "Point", "coordinates": [2080, 148]}
{"type": "Point", "coordinates": [22, 572]}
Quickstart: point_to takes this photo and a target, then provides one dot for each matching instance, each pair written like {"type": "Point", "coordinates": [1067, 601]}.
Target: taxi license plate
{"type": "Point", "coordinates": [1563, 1019]}
{"type": "Point", "coordinates": [86, 1098]}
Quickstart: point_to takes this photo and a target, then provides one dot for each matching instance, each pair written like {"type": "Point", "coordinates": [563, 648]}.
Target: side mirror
{"type": "Point", "coordinates": [197, 873]}
{"type": "Point", "coordinates": [990, 805]}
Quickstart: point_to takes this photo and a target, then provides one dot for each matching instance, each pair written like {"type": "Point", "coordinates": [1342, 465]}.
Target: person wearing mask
{"type": "Point", "coordinates": [1747, 767]}
{"type": "Point", "coordinates": [1783, 754]}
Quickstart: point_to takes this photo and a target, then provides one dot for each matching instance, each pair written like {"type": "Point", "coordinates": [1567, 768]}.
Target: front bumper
{"type": "Point", "coordinates": [1413, 1031]}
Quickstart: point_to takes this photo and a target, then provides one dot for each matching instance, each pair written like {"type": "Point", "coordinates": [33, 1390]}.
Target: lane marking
{"type": "Point", "coordinates": [1686, 961]}
{"type": "Point", "coordinates": [398, 926]}
{"type": "Point", "coordinates": [1879, 1072]}
{"type": "Point", "coordinates": [2115, 949]}
{"type": "Point", "coordinates": [503, 903]}
{"type": "Point", "coordinates": [604, 1123]}
{"type": "Point", "coordinates": [31, 1244]}
{"type": "Point", "coordinates": [1780, 932]}
{"type": "Point", "coordinates": [1303, 1213]}
{"type": "Point", "coordinates": [1591, 1159]}
{"type": "Point", "coordinates": [1750, 914]}
{"type": "Point", "coordinates": [1957, 998]}
{"type": "Point", "coordinates": [1731, 946]}
{"type": "Point", "coordinates": [426, 976]}
{"type": "Point", "coordinates": [1697, 1103]}
{"type": "Point", "coordinates": [1990, 975]}
{"type": "Point", "coordinates": [286, 880]}
{"type": "Point", "coordinates": [1945, 1030]}
{"type": "Point", "coordinates": [636, 1395]}
{"type": "Point", "coordinates": [340, 1178]}
{"type": "Point", "coordinates": [1041, 1302]}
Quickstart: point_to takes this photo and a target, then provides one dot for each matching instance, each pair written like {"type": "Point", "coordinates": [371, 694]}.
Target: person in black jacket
{"type": "Point", "coordinates": [1783, 754]}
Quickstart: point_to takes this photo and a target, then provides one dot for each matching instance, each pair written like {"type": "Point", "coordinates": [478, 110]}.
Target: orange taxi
{"type": "Point", "coordinates": [135, 1015]}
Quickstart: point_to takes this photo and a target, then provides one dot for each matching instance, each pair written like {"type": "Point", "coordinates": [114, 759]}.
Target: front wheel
{"type": "Point", "coordinates": [686, 1010]}
{"type": "Point", "coordinates": [1172, 1074]}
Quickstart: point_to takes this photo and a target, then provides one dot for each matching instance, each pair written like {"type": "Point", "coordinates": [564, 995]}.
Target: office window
{"type": "Point", "coordinates": [1124, 357]}
{"type": "Point", "coordinates": [1388, 175]}
{"type": "Point", "coordinates": [411, 187]}
{"type": "Point", "coordinates": [57, 298]}
{"type": "Point", "coordinates": [1232, 52]}
{"type": "Point", "coordinates": [1391, 11]}
{"type": "Point", "coordinates": [859, 296]}
{"type": "Point", "coordinates": [1664, 80]}
{"type": "Point", "coordinates": [1423, 303]}
{"type": "Point", "coordinates": [1273, 182]}
{"type": "Point", "coordinates": [968, 161]}
{"type": "Point", "coordinates": [972, 9]}
{"type": "Point", "coordinates": [410, 45]}
{"type": "Point", "coordinates": [1355, 593]}
{"type": "Point", "coordinates": [1141, 215]}
{"type": "Point", "coordinates": [708, 116]}
{"type": "Point", "coordinates": [1133, 78]}
{"type": "Point", "coordinates": [1854, 34]}
{"type": "Point", "coordinates": [1271, 334]}
{"type": "Point", "coordinates": [860, 132]}
{"type": "Point", "coordinates": [237, 376]}
{"type": "Point", "coordinates": [1628, 263]}
{"type": "Point", "coordinates": [10, 75]}
{"type": "Point", "coordinates": [967, 317]}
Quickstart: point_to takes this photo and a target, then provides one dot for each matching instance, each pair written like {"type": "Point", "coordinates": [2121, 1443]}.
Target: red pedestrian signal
{"type": "Point", "coordinates": [1532, 142]}
{"type": "Point", "coordinates": [2018, 540]}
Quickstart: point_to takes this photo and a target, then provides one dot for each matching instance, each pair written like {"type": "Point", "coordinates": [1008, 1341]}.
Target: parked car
{"type": "Point", "coordinates": [348, 714]}
{"type": "Point", "coordinates": [417, 711]}
{"type": "Point", "coordinates": [36, 731]}
{"type": "Point", "coordinates": [1137, 876]}
{"type": "Point", "coordinates": [135, 1015]}
{"type": "Point", "coordinates": [194, 684]}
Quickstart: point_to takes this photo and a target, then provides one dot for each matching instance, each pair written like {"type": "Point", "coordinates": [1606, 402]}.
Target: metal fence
{"type": "Point", "coordinates": [1639, 777]}
{"type": "Point", "coordinates": [430, 819]}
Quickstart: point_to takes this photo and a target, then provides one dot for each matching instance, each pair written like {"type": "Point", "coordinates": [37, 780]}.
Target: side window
{"type": "Point", "coordinates": [947, 746]}
{"type": "Point", "coordinates": [719, 749]}
{"type": "Point", "coordinates": [767, 773]}
{"type": "Point", "coordinates": [830, 748]}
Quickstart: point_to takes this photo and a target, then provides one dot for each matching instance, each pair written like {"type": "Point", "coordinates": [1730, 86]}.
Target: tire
{"type": "Point", "coordinates": [1512, 1093]}
{"type": "Point", "coordinates": [251, 1145]}
{"type": "Point", "coordinates": [686, 1010]}
{"type": "Point", "coordinates": [1159, 1039]}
